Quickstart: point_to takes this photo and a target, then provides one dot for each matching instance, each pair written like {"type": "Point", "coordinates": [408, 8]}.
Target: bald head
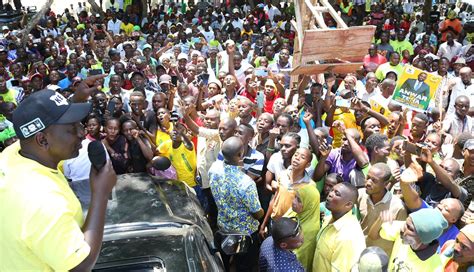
{"type": "Point", "coordinates": [465, 70]}
{"type": "Point", "coordinates": [227, 128]}
{"type": "Point", "coordinates": [232, 149]}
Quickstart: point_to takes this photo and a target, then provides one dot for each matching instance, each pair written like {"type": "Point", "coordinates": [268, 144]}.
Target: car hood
{"type": "Point", "coordinates": [139, 198]}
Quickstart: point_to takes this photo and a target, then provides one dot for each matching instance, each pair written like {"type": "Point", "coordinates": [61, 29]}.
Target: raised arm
{"type": "Point", "coordinates": [411, 175]}
{"type": "Point", "coordinates": [102, 183]}
{"type": "Point", "coordinates": [313, 140]}
{"type": "Point", "coordinates": [357, 105]}
{"type": "Point", "coordinates": [189, 121]}
{"type": "Point", "coordinates": [187, 143]}
{"type": "Point", "coordinates": [359, 155]}
{"type": "Point", "coordinates": [441, 175]}
{"type": "Point", "coordinates": [322, 167]}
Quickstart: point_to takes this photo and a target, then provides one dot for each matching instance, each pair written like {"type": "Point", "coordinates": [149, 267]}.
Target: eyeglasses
{"type": "Point", "coordinates": [295, 232]}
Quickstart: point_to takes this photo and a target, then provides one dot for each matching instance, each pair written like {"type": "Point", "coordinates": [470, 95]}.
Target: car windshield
{"type": "Point", "coordinates": [145, 253]}
{"type": "Point", "coordinates": [137, 198]}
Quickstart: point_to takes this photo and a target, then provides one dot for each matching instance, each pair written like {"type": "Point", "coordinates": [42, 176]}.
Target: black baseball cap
{"type": "Point", "coordinates": [44, 108]}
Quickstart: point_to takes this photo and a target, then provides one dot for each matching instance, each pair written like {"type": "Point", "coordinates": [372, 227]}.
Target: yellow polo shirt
{"type": "Point", "coordinates": [182, 159]}
{"type": "Point", "coordinates": [403, 258]}
{"type": "Point", "coordinates": [41, 217]}
{"type": "Point", "coordinates": [339, 244]}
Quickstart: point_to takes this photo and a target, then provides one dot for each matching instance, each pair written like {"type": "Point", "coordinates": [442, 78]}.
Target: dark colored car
{"type": "Point", "coordinates": [156, 225]}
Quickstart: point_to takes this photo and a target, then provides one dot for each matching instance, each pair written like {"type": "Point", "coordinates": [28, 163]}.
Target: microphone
{"type": "Point", "coordinates": [96, 153]}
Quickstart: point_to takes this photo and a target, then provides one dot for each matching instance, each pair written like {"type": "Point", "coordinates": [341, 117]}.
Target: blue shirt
{"type": "Point", "coordinates": [64, 83]}
{"type": "Point", "coordinates": [236, 198]}
{"type": "Point", "coordinates": [273, 258]}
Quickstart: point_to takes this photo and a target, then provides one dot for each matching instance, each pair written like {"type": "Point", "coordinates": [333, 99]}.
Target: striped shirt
{"type": "Point", "coordinates": [253, 161]}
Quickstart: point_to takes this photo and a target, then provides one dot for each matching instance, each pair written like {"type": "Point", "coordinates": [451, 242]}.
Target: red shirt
{"type": "Point", "coordinates": [268, 106]}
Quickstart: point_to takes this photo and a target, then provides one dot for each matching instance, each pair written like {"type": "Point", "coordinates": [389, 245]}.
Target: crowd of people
{"type": "Point", "coordinates": [205, 95]}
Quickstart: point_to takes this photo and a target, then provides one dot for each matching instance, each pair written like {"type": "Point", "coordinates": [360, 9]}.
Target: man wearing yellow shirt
{"type": "Point", "coordinates": [340, 240]}
{"type": "Point", "coordinates": [401, 44]}
{"type": "Point", "coordinates": [44, 229]}
{"type": "Point", "coordinates": [393, 65]}
{"type": "Point", "coordinates": [126, 26]}
{"type": "Point", "coordinates": [415, 243]}
{"type": "Point", "coordinates": [180, 151]}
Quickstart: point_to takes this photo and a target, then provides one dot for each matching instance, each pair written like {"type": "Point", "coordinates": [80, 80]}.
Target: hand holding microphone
{"type": "Point", "coordinates": [102, 175]}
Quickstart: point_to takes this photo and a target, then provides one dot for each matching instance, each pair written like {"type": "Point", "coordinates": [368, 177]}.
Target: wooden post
{"type": "Point", "coordinates": [33, 22]}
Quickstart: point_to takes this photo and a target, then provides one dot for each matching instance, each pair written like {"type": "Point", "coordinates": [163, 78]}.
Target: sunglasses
{"type": "Point", "coordinates": [295, 232]}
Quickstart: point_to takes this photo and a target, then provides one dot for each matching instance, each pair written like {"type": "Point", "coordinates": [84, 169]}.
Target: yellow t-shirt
{"type": "Point", "coordinates": [9, 96]}
{"type": "Point", "coordinates": [42, 218]}
{"type": "Point", "coordinates": [128, 28]}
{"type": "Point", "coordinates": [182, 159]}
{"type": "Point", "coordinates": [403, 257]}
{"type": "Point", "coordinates": [163, 136]}
{"type": "Point", "coordinates": [349, 121]}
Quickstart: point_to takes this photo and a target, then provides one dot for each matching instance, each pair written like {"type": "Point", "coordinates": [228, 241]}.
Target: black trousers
{"type": "Point", "coordinates": [244, 262]}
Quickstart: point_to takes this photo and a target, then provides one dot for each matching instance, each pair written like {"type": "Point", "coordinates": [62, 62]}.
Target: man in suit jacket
{"type": "Point", "coordinates": [417, 86]}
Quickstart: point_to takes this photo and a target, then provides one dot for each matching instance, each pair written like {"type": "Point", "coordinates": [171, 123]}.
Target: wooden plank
{"type": "Point", "coordinates": [316, 14]}
{"type": "Point", "coordinates": [338, 68]}
{"type": "Point", "coordinates": [299, 23]}
{"type": "Point", "coordinates": [347, 57]}
{"type": "Point", "coordinates": [332, 11]}
{"type": "Point", "coordinates": [337, 43]}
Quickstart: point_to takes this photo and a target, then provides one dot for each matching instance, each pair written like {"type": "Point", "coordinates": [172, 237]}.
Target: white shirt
{"type": "Point", "coordinates": [449, 51]}
{"type": "Point", "coordinates": [455, 126]}
{"type": "Point", "coordinates": [238, 23]}
{"type": "Point", "coordinates": [271, 11]}
{"type": "Point", "coordinates": [276, 166]}
{"type": "Point", "coordinates": [114, 27]}
{"type": "Point", "coordinates": [461, 89]}
{"type": "Point", "coordinates": [209, 35]}
{"type": "Point", "coordinates": [79, 167]}
{"type": "Point", "coordinates": [366, 96]}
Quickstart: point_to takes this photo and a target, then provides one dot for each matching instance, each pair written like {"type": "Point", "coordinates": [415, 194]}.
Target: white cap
{"type": "Point", "coordinates": [5, 28]}
{"type": "Point", "coordinates": [182, 56]}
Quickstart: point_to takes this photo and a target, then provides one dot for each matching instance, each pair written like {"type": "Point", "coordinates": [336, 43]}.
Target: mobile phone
{"type": "Point", "coordinates": [174, 80]}
{"type": "Point", "coordinates": [111, 106]}
{"type": "Point", "coordinates": [308, 100]}
{"type": "Point", "coordinates": [261, 72]}
{"type": "Point", "coordinates": [411, 148]}
{"type": "Point", "coordinates": [37, 41]}
{"type": "Point", "coordinates": [93, 72]}
{"type": "Point", "coordinates": [204, 78]}
{"type": "Point", "coordinates": [15, 82]}
{"type": "Point", "coordinates": [260, 100]}
{"type": "Point", "coordinates": [343, 103]}
{"type": "Point", "coordinates": [174, 116]}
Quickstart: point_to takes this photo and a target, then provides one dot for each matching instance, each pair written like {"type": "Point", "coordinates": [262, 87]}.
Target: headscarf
{"type": "Point", "coordinates": [451, 14]}
{"type": "Point", "coordinates": [309, 220]}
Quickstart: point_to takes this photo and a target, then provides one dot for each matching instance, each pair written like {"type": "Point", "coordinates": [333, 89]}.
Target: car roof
{"type": "Point", "coordinates": [139, 197]}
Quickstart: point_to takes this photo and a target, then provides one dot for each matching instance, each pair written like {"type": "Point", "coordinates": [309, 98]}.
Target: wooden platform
{"type": "Point", "coordinates": [315, 43]}
{"type": "Point", "coordinates": [348, 45]}
{"type": "Point", "coordinates": [338, 68]}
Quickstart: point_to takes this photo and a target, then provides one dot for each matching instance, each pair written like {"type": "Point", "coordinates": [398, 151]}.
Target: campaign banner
{"type": "Point", "coordinates": [415, 88]}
